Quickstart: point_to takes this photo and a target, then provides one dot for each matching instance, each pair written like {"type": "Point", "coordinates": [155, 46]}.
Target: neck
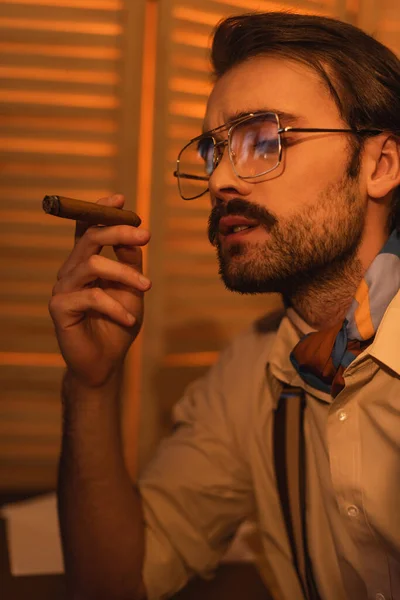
{"type": "Point", "coordinates": [325, 300]}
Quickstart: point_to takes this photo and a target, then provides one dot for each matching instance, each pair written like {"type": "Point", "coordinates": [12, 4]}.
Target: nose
{"type": "Point", "coordinates": [224, 184]}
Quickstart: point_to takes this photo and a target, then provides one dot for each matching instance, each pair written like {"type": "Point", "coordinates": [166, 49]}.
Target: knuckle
{"type": "Point", "coordinates": [53, 305]}
{"type": "Point", "coordinates": [103, 200]}
{"type": "Point", "coordinates": [50, 306]}
{"type": "Point", "coordinates": [95, 294]}
{"type": "Point", "coordinates": [124, 270]}
{"type": "Point", "coordinates": [125, 232]}
{"type": "Point", "coordinates": [94, 262]}
{"type": "Point", "coordinates": [91, 234]}
{"type": "Point", "coordinates": [120, 233]}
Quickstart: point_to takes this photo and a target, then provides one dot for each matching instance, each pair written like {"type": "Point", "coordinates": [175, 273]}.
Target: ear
{"type": "Point", "coordinates": [383, 154]}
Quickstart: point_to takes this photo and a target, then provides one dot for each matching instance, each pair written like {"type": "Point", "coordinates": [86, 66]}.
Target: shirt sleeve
{"type": "Point", "coordinates": [197, 489]}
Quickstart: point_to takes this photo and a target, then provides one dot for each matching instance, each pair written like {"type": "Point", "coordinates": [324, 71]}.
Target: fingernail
{"type": "Point", "coordinates": [131, 319]}
{"type": "Point", "coordinates": [143, 280]}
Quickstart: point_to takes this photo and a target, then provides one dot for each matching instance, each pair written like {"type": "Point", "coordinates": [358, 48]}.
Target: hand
{"type": "Point", "coordinates": [97, 303]}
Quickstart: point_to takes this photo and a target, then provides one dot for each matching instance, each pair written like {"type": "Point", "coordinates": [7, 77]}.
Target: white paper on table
{"type": "Point", "coordinates": [34, 544]}
{"type": "Point", "coordinates": [33, 537]}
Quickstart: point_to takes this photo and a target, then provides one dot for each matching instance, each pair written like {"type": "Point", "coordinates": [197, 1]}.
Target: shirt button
{"type": "Point", "coordinates": [342, 415]}
{"type": "Point", "coordinates": [353, 511]}
{"type": "Point", "coordinates": [380, 597]}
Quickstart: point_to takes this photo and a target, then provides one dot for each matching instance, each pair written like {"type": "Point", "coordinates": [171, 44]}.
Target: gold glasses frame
{"type": "Point", "coordinates": [219, 147]}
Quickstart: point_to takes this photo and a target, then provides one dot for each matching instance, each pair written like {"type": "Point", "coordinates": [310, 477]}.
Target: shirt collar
{"type": "Point", "coordinates": [291, 329]}
{"type": "Point", "coordinates": [386, 345]}
{"type": "Point", "coordinates": [385, 348]}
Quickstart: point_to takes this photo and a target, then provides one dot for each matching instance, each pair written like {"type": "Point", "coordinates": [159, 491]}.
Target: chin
{"type": "Point", "coordinates": [238, 281]}
{"type": "Point", "coordinates": [241, 271]}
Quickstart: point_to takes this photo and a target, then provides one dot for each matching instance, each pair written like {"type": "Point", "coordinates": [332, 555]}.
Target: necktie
{"type": "Point", "coordinates": [321, 357]}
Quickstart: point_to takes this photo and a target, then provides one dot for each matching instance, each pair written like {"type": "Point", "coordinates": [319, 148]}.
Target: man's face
{"type": "Point", "coordinates": [309, 213]}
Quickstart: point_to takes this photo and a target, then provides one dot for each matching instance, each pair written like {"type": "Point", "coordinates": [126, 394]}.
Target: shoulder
{"type": "Point", "coordinates": [250, 350]}
{"type": "Point", "coordinates": [236, 378]}
{"type": "Point", "coordinates": [386, 345]}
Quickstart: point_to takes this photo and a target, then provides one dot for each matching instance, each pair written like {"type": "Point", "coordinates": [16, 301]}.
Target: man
{"type": "Point", "coordinates": [302, 164]}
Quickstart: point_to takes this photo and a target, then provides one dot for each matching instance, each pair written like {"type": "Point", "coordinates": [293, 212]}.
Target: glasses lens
{"type": "Point", "coordinates": [196, 163]}
{"type": "Point", "coordinates": [255, 146]}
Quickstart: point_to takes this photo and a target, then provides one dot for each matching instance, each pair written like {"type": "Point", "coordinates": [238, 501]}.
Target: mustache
{"type": "Point", "coordinates": [238, 207]}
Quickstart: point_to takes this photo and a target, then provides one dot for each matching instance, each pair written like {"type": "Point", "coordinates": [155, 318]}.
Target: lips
{"type": "Point", "coordinates": [227, 225]}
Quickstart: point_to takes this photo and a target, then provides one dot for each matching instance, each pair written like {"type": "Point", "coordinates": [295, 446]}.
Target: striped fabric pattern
{"type": "Point", "coordinates": [321, 357]}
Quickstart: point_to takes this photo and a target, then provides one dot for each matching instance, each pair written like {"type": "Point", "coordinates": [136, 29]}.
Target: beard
{"type": "Point", "coordinates": [313, 246]}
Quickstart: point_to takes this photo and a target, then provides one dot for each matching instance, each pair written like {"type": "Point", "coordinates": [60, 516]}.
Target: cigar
{"type": "Point", "coordinates": [89, 212]}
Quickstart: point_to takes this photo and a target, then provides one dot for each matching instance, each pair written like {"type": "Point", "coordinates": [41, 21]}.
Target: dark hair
{"type": "Point", "coordinates": [362, 75]}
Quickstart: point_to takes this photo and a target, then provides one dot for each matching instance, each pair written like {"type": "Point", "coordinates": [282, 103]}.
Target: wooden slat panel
{"type": "Point", "coordinates": [60, 96]}
{"type": "Point", "coordinates": [21, 476]}
{"type": "Point", "coordinates": [104, 5]}
{"type": "Point", "coordinates": [388, 30]}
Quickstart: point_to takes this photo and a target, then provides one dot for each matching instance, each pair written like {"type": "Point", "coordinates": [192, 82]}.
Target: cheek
{"type": "Point", "coordinates": [323, 159]}
{"type": "Point", "coordinates": [308, 171]}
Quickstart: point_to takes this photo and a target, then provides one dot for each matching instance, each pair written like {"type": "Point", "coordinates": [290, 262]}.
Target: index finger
{"type": "Point", "coordinates": [81, 227]}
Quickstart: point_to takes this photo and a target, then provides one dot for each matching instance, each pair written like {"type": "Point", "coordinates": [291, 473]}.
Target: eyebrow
{"type": "Point", "coordinates": [286, 117]}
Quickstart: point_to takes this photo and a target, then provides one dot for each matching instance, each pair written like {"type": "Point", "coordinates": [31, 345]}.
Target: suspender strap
{"type": "Point", "coordinates": [290, 469]}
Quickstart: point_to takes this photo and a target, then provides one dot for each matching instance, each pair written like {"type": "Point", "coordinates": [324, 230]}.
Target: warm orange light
{"type": "Point", "coordinates": [33, 217]}
{"type": "Point", "coordinates": [89, 27]}
{"type": "Point", "coordinates": [67, 75]}
{"type": "Point", "coordinates": [50, 170]}
{"type": "Point", "coordinates": [189, 38]}
{"type": "Point", "coordinates": [15, 428]}
{"type": "Point", "coordinates": [184, 269]}
{"type": "Point", "coordinates": [389, 25]}
{"type": "Point", "coordinates": [188, 109]}
{"type": "Point", "coordinates": [51, 98]}
{"type": "Point", "coordinates": [190, 359]}
{"type": "Point", "coordinates": [189, 247]}
{"type": "Point", "coordinates": [30, 240]}
{"type": "Point", "coordinates": [182, 131]}
{"type": "Point", "coordinates": [311, 8]}
{"type": "Point", "coordinates": [29, 193]}
{"type": "Point", "coordinates": [131, 418]}
{"type": "Point", "coordinates": [57, 146]}
{"type": "Point", "coordinates": [173, 200]}
{"type": "Point", "coordinates": [31, 359]}
{"type": "Point", "coordinates": [190, 62]}
{"type": "Point", "coordinates": [25, 310]}
{"type": "Point", "coordinates": [191, 226]}
{"type": "Point", "coordinates": [112, 5]}
{"type": "Point", "coordinates": [186, 13]}
{"type": "Point", "coordinates": [190, 86]}
{"type": "Point", "coordinates": [26, 289]}
{"type": "Point", "coordinates": [58, 123]}
{"type": "Point", "coordinates": [93, 52]}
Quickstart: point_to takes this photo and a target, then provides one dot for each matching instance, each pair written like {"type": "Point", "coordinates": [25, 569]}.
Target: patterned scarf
{"type": "Point", "coordinates": [321, 357]}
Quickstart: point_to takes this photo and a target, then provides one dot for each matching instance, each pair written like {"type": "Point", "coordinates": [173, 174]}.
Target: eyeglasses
{"type": "Point", "coordinates": [254, 146]}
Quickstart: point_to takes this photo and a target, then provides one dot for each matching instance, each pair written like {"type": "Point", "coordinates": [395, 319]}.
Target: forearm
{"type": "Point", "coordinates": [100, 510]}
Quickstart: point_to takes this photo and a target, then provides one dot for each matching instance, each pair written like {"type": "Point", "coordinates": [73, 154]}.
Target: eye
{"type": "Point", "coordinates": [205, 150]}
{"type": "Point", "coordinates": [265, 145]}
{"type": "Point", "coordinates": [257, 138]}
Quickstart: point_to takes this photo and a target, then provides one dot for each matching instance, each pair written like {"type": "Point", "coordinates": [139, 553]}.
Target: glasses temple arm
{"type": "Point", "coordinates": [316, 130]}
{"type": "Point", "coordinates": [187, 176]}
